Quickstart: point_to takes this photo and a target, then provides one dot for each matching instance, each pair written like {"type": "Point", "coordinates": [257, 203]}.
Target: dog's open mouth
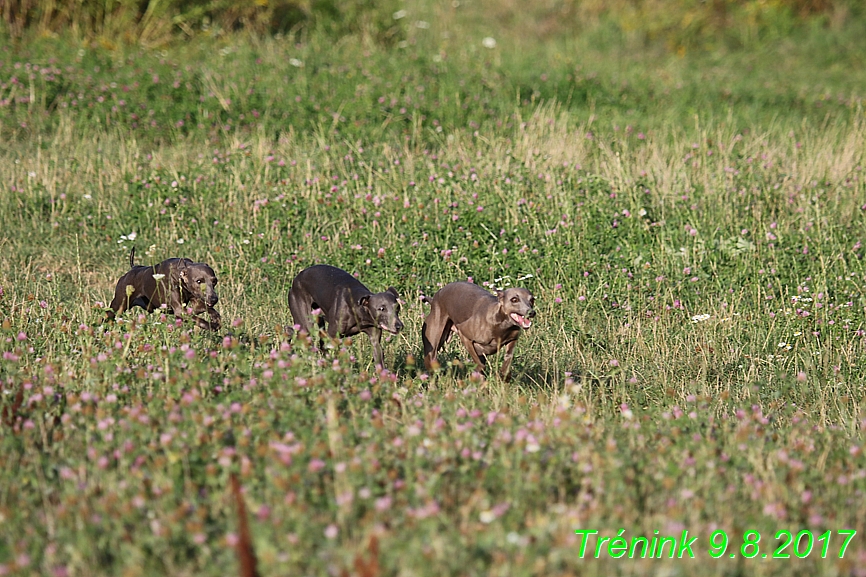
{"type": "Point", "coordinates": [390, 330]}
{"type": "Point", "coordinates": [521, 320]}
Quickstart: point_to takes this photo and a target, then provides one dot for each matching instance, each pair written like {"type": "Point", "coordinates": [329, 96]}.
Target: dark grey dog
{"type": "Point", "coordinates": [484, 322]}
{"type": "Point", "coordinates": [175, 282]}
{"type": "Point", "coordinates": [347, 306]}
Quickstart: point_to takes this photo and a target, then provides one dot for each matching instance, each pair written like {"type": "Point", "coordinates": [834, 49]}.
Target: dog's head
{"type": "Point", "coordinates": [518, 304]}
{"type": "Point", "coordinates": [384, 309]}
{"type": "Point", "coordinates": [200, 280]}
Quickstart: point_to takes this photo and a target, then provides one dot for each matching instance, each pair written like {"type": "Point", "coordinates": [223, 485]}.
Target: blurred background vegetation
{"type": "Point", "coordinates": [678, 25]}
{"type": "Point", "coordinates": [423, 68]}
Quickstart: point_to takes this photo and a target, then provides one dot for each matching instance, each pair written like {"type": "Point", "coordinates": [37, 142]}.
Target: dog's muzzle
{"type": "Point", "coordinates": [398, 326]}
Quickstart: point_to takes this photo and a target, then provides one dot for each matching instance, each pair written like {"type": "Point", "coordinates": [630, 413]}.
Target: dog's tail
{"type": "Point", "coordinates": [132, 258]}
{"type": "Point", "coordinates": [425, 299]}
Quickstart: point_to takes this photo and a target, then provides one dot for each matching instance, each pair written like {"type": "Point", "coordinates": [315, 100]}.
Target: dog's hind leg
{"type": "Point", "coordinates": [121, 301]}
{"type": "Point", "coordinates": [301, 307]}
{"type": "Point", "coordinates": [331, 332]}
{"type": "Point", "coordinates": [434, 334]}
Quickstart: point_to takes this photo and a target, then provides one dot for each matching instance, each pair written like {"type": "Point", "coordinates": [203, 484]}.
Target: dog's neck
{"type": "Point", "coordinates": [185, 293]}
{"type": "Point", "coordinates": [503, 319]}
{"type": "Point", "coordinates": [365, 318]}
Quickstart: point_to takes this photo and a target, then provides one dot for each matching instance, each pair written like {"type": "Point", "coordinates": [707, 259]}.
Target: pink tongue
{"type": "Point", "coordinates": [522, 321]}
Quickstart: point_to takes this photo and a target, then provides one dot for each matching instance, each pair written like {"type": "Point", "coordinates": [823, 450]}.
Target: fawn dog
{"type": "Point", "coordinates": [484, 322]}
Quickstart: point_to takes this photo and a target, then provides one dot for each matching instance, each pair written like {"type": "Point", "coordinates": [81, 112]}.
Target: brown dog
{"type": "Point", "coordinates": [485, 322]}
{"type": "Point", "coordinates": [175, 282]}
{"type": "Point", "coordinates": [347, 306]}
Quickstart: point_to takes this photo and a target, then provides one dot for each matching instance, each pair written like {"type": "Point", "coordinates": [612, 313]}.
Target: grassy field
{"type": "Point", "coordinates": [690, 223]}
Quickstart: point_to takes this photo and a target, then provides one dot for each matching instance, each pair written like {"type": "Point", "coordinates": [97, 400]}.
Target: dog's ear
{"type": "Point", "coordinates": [364, 300]}
{"type": "Point", "coordinates": [393, 291]}
{"type": "Point", "coordinates": [500, 295]}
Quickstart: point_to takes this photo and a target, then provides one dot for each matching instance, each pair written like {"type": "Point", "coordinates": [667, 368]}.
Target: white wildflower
{"type": "Point", "coordinates": [399, 14]}
{"type": "Point", "coordinates": [564, 401]}
{"type": "Point", "coordinates": [489, 43]}
{"type": "Point", "coordinates": [700, 318]}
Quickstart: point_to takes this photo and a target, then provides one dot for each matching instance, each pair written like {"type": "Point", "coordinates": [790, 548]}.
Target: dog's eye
{"type": "Point", "coordinates": [515, 299]}
{"type": "Point", "coordinates": [200, 281]}
{"type": "Point", "coordinates": [382, 308]}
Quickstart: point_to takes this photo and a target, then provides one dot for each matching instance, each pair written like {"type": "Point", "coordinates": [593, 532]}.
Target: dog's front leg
{"type": "Point", "coordinates": [505, 369]}
{"type": "Point", "coordinates": [203, 324]}
{"type": "Point", "coordinates": [215, 319]}
{"type": "Point", "coordinates": [180, 311]}
{"type": "Point", "coordinates": [199, 307]}
{"type": "Point", "coordinates": [176, 305]}
{"type": "Point", "coordinates": [375, 335]}
{"type": "Point", "coordinates": [480, 360]}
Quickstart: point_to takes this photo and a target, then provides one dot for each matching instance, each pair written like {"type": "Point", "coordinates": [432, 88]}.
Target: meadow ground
{"type": "Point", "coordinates": [691, 226]}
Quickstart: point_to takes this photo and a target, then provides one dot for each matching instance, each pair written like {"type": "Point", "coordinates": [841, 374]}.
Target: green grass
{"type": "Point", "coordinates": [631, 190]}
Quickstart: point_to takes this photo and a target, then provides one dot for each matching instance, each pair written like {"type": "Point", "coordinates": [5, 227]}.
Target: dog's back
{"type": "Point", "coordinates": [461, 300]}
{"type": "Point", "coordinates": [324, 284]}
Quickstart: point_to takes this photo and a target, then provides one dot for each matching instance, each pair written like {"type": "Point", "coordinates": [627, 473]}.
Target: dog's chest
{"type": "Point", "coordinates": [492, 341]}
